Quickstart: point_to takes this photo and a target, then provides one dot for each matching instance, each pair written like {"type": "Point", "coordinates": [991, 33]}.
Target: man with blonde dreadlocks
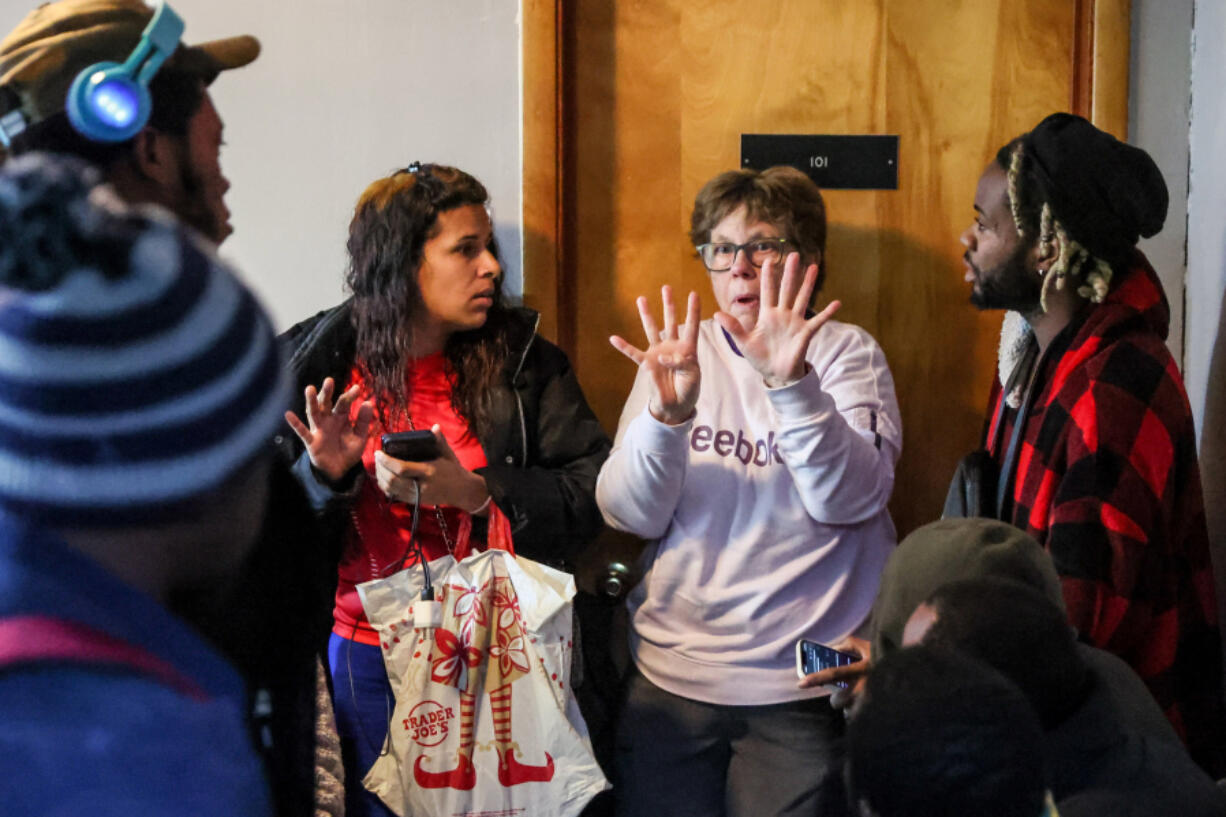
{"type": "Point", "coordinates": [1101, 468]}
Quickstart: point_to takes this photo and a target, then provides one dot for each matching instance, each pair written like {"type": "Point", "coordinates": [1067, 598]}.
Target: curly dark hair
{"type": "Point", "coordinates": [394, 218]}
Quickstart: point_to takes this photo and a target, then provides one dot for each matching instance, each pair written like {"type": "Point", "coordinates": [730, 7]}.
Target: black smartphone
{"type": "Point", "coordinates": [812, 656]}
{"type": "Point", "coordinates": [415, 446]}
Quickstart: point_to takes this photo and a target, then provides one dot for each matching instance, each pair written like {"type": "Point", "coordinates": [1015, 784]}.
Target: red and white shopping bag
{"type": "Point", "coordinates": [485, 724]}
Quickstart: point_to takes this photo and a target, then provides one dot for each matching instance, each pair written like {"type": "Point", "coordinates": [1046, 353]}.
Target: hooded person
{"type": "Point", "coordinates": [928, 557]}
{"type": "Point", "coordinates": [172, 159]}
{"type": "Point", "coordinates": [948, 550]}
{"type": "Point", "coordinates": [1089, 424]}
{"type": "Point", "coordinates": [994, 594]}
{"type": "Point", "coordinates": [1104, 735]}
{"type": "Point", "coordinates": [139, 384]}
{"type": "Point", "coordinates": [959, 550]}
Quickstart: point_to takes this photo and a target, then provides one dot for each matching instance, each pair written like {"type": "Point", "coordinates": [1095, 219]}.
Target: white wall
{"type": "Point", "coordinates": [1205, 356]}
{"type": "Point", "coordinates": [1176, 112]}
{"type": "Point", "coordinates": [1158, 111]}
{"type": "Point", "coordinates": [344, 92]}
{"type": "Point", "coordinates": [1206, 206]}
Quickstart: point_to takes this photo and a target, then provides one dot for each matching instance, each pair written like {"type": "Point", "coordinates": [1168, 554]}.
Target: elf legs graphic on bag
{"type": "Point", "coordinates": [454, 662]}
{"type": "Point", "coordinates": [509, 662]}
{"type": "Point", "coordinates": [486, 616]}
{"type": "Point", "coordinates": [510, 771]}
{"type": "Point", "coordinates": [464, 775]}
{"type": "Point", "coordinates": [485, 719]}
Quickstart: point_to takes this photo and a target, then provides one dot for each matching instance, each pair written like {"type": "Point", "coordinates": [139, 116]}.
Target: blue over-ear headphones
{"type": "Point", "coordinates": [109, 102]}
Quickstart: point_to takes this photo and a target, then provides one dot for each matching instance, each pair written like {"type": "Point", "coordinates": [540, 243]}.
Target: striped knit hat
{"type": "Point", "coordinates": [136, 371]}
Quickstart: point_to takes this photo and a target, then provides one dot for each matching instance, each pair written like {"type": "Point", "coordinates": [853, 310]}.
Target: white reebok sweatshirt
{"type": "Point", "coordinates": [767, 511]}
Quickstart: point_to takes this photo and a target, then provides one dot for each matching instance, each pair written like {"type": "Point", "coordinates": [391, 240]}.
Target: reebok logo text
{"type": "Point", "coordinates": [724, 443]}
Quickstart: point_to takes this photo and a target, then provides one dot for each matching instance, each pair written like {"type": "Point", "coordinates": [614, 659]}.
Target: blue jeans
{"type": "Point", "coordinates": [363, 700]}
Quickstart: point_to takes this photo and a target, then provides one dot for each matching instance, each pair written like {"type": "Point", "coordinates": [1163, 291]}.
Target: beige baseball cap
{"type": "Point", "coordinates": [40, 57]}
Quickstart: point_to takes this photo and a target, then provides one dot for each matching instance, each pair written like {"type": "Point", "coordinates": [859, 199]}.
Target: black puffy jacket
{"type": "Point", "coordinates": [544, 449]}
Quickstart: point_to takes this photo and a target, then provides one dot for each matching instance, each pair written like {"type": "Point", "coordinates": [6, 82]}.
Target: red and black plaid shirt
{"type": "Point", "coordinates": [1107, 480]}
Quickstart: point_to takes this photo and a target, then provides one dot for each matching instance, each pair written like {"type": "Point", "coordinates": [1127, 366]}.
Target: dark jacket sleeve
{"type": "Point", "coordinates": [326, 497]}
{"type": "Point", "coordinates": [550, 497]}
{"type": "Point", "coordinates": [319, 347]}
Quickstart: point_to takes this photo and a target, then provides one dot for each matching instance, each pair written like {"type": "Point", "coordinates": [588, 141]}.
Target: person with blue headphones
{"type": "Point", "coordinates": [109, 81]}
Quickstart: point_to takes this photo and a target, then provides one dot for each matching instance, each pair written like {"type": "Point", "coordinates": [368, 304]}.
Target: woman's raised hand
{"type": "Point", "coordinates": [670, 359]}
{"type": "Point", "coordinates": [333, 442]}
{"type": "Point", "coordinates": [777, 344]}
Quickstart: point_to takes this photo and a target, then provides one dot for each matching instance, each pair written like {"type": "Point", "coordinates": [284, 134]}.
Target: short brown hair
{"type": "Point", "coordinates": [782, 196]}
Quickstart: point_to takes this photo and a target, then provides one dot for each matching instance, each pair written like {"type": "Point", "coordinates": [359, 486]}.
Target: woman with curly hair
{"type": "Point", "coordinates": [428, 342]}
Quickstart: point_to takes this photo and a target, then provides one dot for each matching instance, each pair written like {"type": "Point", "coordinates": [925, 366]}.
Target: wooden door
{"type": "Point", "coordinates": [631, 105]}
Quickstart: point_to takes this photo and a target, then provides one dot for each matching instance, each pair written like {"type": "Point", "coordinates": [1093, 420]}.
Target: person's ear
{"type": "Point", "coordinates": [1046, 252]}
{"type": "Point", "coordinates": [155, 156]}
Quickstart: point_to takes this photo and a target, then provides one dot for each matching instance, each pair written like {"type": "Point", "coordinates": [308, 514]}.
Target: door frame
{"type": "Point", "coordinates": [546, 289]}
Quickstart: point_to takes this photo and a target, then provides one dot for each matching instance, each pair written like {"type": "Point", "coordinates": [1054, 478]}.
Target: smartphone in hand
{"type": "Point", "coordinates": [812, 656]}
{"type": "Point", "coordinates": [414, 446]}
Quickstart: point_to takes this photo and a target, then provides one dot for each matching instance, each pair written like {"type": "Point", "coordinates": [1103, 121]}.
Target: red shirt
{"type": "Point", "coordinates": [378, 537]}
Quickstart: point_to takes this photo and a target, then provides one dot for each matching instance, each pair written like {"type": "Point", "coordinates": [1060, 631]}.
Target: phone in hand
{"type": "Point", "coordinates": [414, 446]}
{"type": "Point", "coordinates": [812, 656]}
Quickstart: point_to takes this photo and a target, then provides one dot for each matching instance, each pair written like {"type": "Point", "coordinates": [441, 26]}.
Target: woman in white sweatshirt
{"type": "Point", "coordinates": [756, 452]}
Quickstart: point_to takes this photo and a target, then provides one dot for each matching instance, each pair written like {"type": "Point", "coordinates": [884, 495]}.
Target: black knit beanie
{"type": "Point", "coordinates": [1106, 193]}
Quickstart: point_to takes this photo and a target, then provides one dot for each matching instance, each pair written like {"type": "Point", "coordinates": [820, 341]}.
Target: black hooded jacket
{"type": "Point", "coordinates": [544, 448]}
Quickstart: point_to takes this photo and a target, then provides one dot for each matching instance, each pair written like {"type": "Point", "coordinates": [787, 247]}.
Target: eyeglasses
{"type": "Point", "coordinates": [719, 256]}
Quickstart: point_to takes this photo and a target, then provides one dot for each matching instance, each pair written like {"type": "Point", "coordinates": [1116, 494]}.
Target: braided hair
{"type": "Point", "coordinates": [1034, 220]}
